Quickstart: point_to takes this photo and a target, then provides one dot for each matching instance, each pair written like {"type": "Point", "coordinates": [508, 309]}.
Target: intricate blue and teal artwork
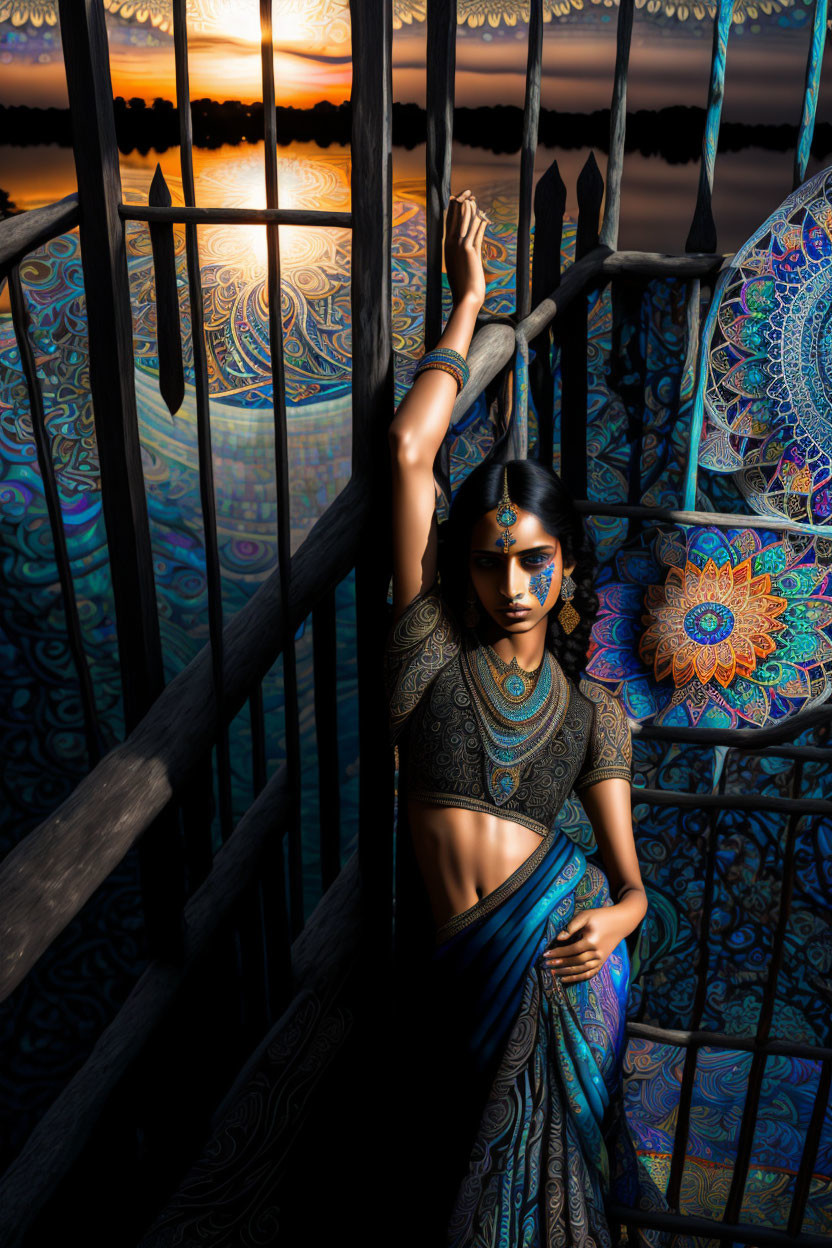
{"type": "Point", "coordinates": [767, 347]}
{"type": "Point", "coordinates": [716, 627]}
{"type": "Point", "coordinates": [310, 15]}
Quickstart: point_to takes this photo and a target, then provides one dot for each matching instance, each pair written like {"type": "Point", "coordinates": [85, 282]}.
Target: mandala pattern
{"type": "Point", "coordinates": [718, 627]}
{"type": "Point", "coordinates": [476, 13]}
{"type": "Point", "coordinates": [329, 19]}
{"type": "Point", "coordinates": [768, 347]}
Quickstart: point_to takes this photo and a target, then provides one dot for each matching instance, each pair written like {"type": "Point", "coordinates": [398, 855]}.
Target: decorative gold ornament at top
{"type": "Point", "coordinates": [506, 516]}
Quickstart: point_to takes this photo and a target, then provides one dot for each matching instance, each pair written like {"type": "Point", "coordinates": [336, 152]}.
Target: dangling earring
{"type": "Point", "coordinates": [471, 614]}
{"type": "Point", "coordinates": [568, 616]}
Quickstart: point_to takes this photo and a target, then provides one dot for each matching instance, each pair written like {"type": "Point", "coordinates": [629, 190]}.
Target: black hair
{"type": "Point", "coordinates": [538, 489]}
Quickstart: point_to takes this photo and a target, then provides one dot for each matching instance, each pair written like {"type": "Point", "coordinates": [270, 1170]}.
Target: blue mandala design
{"type": "Point", "coordinates": [767, 351]}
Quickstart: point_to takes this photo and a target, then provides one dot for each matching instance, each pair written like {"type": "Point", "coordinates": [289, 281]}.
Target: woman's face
{"type": "Point", "coordinates": [517, 582]}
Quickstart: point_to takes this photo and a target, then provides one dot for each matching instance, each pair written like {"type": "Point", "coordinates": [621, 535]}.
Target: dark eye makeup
{"type": "Point", "coordinates": [533, 559]}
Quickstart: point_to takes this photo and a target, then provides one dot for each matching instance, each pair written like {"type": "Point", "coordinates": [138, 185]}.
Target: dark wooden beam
{"type": "Point", "coordinates": [207, 492]}
{"type": "Point", "coordinates": [683, 1039]}
{"type": "Point", "coordinates": [58, 1138]}
{"type": "Point", "coordinates": [110, 330]}
{"type": "Point", "coordinates": [324, 645]}
{"type": "Point", "coordinates": [811, 86]}
{"type": "Point", "coordinates": [372, 410]}
{"type": "Point", "coordinates": [732, 801]}
{"type": "Point", "coordinates": [528, 150]}
{"type": "Point", "coordinates": [48, 877]}
{"type": "Point", "coordinates": [754, 1086]}
{"type": "Point", "coordinates": [618, 125]}
{"type": "Point", "coordinates": [439, 98]}
{"type": "Point", "coordinates": [168, 329]}
{"type": "Point", "coordinates": [751, 738]}
{"type": "Point", "coordinates": [181, 214]}
{"type": "Point", "coordinates": [571, 336]}
{"type": "Point", "coordinates": [110, 337]}
{"type": "Point", "coordinates": [811, 1144]}
{"type": "Point", "coordinates": [702, 234]}
{"type": "Point", "coordinates": [707, 1229]}
{"type": "Point", "coordinates": [549, 209]}
{"type": "Point", "coordinates": [22, 233]}
{"type": "Point", "coordinates": [281, 453]}
{"type": "Point", "coordinates": [721, 519]}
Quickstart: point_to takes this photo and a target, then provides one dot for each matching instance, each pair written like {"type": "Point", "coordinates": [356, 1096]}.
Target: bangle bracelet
{"type": "Point", "coordinates": [448, 358]}
{"type": "Point", "coordinates": [445, 368]}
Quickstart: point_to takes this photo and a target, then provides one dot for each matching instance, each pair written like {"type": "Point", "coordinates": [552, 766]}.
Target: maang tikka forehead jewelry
{"type": "Point", "coordinates": [506, 516]}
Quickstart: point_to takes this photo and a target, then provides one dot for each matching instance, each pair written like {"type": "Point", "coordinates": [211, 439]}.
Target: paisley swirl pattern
{"type": "Point", "coordinates": [610, 750]}
{"type": "Point", "coordinates": [450, 758]}
{"type": "Point", "coordinates": [551, 1143]}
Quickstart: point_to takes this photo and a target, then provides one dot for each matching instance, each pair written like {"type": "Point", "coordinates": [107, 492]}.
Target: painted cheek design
{"type": "Point", "coordinates": [541, 582]}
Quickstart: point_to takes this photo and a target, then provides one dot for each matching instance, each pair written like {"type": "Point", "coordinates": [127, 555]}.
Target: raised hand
{"type": "Point", "coordinates": [464, 230]}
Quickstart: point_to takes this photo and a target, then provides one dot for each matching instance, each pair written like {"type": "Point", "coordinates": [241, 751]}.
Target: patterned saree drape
{"type": "Point", "coordinates": [520, 1103]}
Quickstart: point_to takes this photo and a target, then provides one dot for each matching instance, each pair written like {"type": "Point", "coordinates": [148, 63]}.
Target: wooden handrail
{"type": "Point", "coordinates": [182, 214]}
{"type": "Point", "coordinates": [65, 1127]}
{"type": "Point", "coordinates": [23, 232]}
{"type": "Point", "coordinates": [50, 874]}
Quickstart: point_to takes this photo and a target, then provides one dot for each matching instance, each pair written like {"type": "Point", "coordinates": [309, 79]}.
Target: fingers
{"type": "Point", "coordinates": [468, 209]}
{"type": "Point", "coordinates": [574, 979]}
{"type": "Point", "coordinates": [469, 220]}
{"type": "Point", "coordinates": [480, 231]}
{"type": "Point", "coordinates": [561, 954]}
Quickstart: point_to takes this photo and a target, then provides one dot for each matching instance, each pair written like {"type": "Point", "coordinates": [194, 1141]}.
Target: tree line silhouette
{"type": "Point", "coordinates": [673, 133]}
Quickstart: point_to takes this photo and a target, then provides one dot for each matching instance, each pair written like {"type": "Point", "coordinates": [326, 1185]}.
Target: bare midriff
{"type": "Point", "coordinates": [464, 855]}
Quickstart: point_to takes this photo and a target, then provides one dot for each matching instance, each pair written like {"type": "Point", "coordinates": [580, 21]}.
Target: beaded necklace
{"type": "Point", "coordinates": [517, 711]}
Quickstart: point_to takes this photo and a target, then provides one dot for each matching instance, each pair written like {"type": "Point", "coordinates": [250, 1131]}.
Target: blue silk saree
{"type": "Point", "coordinates": [519, 1106]}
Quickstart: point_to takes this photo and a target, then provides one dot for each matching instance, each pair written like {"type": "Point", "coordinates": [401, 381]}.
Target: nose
{"type": "Point", "coordinates": [514, 582]}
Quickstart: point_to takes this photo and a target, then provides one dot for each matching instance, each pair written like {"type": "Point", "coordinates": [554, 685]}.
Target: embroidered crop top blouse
{"type": "Point", "coordinates": [473, 732]}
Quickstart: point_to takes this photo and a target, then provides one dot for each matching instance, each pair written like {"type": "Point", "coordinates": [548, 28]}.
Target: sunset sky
{"type": "Point", "coordinates": [669, 62]}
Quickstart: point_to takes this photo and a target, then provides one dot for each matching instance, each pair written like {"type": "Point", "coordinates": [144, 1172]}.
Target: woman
{"type": "Point", "coordinates": [512, 1041]}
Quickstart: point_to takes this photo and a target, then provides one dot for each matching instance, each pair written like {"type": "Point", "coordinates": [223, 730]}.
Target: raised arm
{"type": "Point", "coordinates": [422, 418]}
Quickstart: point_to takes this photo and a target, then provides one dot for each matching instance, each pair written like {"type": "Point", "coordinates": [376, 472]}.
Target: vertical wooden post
{"type": "Point", "coordinates": [110, 336]}
{"type": "Point", "coordinates": [110, 329]}
{"type": "Point", "coordinates": [573, 339]}
{"type": "Point", "coordinates": [811, 1144]}
{"type": "Point", "coordinates": [439, 90]}
{"type": "Point", "coordinates": [683, 1112]}
{"type": "Point", "coordinates": [697, 418]}
{"type": "Point", "coordinates": [207, 498]}
{"type": "Point", "coordinates": [531, 121]}
{"type": "Point", "coordinates": [372, 410]}
{"type": "Point", "coordinates": [754, 1090]}
{"type": "Point", "coordinates": [549, 207]}
{"type": "Point", "coordinates": [324, 647]}
{"type": "Point", "coordinates": [439, 101]}
{"type": "Point", "coordinates": [702, 235]}
{"type": "Point", "coordinates": [618, 126]}
{"type": "Point", "coordinates": [814, 63]}
{"type": "Point", "coordinates": [281, 449]}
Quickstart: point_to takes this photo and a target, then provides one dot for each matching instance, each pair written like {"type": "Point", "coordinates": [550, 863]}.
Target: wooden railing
{"type": "Point", "coordinates": [131, 795]}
